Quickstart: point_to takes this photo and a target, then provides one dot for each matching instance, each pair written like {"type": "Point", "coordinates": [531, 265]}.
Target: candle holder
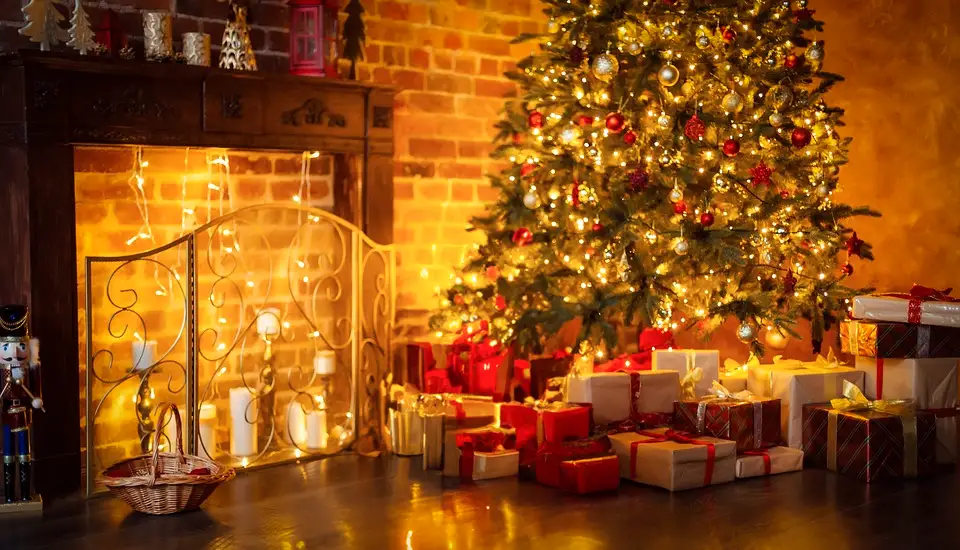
{"type": "Point", "coordinates": [157, 36]}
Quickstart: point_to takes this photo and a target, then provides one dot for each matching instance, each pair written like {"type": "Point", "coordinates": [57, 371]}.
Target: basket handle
{"type": "Point", "coordinates": [175, 413]}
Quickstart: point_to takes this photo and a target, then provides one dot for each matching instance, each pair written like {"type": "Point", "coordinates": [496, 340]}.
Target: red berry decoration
{"type": "Point", "coordinates": [458, 299]}
{"type": "Point", "coordinates": [615, 122]}
{"type": "Point", "coordinates": [586, 120]}
{"type": "Point", "coordinates": [792, 61]}
{"type": "Point", "coordinates": [706, 219]}
{"type": "Point", "coordinates": [785, 194]}
{"type": "Point", "coordinates": [731, 147]}
{"type": "Point", "coordinates": [639, 180]}
{"type": "Point", "coordinates": [854, 244]}
{"type": "Point", "coordinates": [500, 302]}
{"type": "Point", "coordinates": [789, 282]}
{"type": "Point", "coordinates": [729, 35]}
{"type": "Point", "coordinates": [575, 194]}
{"type": "Point", "coordinates": [800, 137]}
{"type": "Point", "coordinates": [535, 119]}
{"type": "Point", "coordinates": [630, 137]}
{"type": "Point", "coordinates": [847, 269]}
{"type": "Point", "coordinates": [761, 174]}
{"type": "Point", "coordinates": [522, 237]}
{"type": "Point", "coordinates": [517, 137]}
{"type": "Point", "coordinates": [527, 169]}
{"type": "Point", "coordinates": [679, 207]}
{"type": "Point", "coordinates": [492, 272]}
{"type": "Point", "coordinates": [597, 227]}
{"type": "Point", "coordinates": [694, 128]}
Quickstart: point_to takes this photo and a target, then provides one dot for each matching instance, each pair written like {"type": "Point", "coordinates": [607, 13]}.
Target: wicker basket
{"type": "Point", "coordinates": [162, 483]}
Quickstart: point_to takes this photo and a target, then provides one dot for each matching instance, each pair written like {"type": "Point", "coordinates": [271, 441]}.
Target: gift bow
{"type": "Point", "coordinates": [854, 400]}
{"type": "Point", "coordinates": [720, 394]}
{"type": "Point", "coordinates": [819, 362]}
{"type": "Point", "coordinates": [729, 365]}
{"type": "Point", "coordinates": [718, 391]}
{"type": "Point", "coordinates": [688, 386]}
{"type": "Point", "coordinates": [925, 294]}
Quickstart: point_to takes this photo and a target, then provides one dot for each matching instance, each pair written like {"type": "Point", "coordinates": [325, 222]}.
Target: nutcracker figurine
{"type": "Point", "coordinates": [20, 376]}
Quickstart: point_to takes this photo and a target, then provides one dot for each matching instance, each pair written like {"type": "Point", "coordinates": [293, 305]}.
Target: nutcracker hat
{"type": "Point", "coordinates": [13, 323]}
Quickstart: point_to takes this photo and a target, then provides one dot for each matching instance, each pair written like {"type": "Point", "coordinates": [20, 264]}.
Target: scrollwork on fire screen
{"type": "Point", "coordinates": [285, 325]}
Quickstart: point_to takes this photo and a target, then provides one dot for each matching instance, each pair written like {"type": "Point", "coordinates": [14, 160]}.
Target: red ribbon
{"type": "Point", "coordinates": [766, 459]}
{"type": "Point", "coordinates": [879, 378]}
{"type": "Point", "coordinates": [919, 294]}
{"type": "Point", "coordinates": [678, 437]}
{"type": "Point", "coordinates": [459, 411]}
{"type": "Point", "coordinates": [472, 443]}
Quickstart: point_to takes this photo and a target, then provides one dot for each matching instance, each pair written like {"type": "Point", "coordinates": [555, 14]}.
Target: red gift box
{"type": "Point", "coordinates": [590, 475]}
{"type": "Point", "coordinates": [537, 425]}
{"type": "Point", "coordinates": [550, 456]}
{"type": "Point", "coordinates": [753, 424]}
{"type": "Point", "coordinates": [869, 440]}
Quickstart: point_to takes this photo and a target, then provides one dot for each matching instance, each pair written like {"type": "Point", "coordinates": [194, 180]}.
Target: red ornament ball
{"type": "Point", "coordinates": [792, 61]}
{"type": "Point", "coordinates": [591, 250]}
{"type": "Point", "coordinates": [458, 299]}
{"type": "Point", "coordinates": [731, 147]}
{"type": "Point", "coordinates": [535, 119]}
{"type": "Point", "coordinates": [785, 194]}
{"type": "Point", "coordinates": [500, 302]}
{"type": "Point", "coordinates": [694, 128]}
{"type": "Point", "coordinates": [527, 168]}
{"type": "Point", "coordinates": [597, 227]}
{"type": "Point", "coordinates": [615, 122]}
{"type": "Point", "coordinates": [493, 272]}
{"type": "Point", "coordinates": [586, 120]}
{"type": "Point", "coordinates": [847, 269]}
{"type": "Point", "coordinates": [679, 207]}
{"type": "Point", "coordinates": [517, 138]}
{"type": "Point", "coordinates": [639, 180]}
{"type": "Point", "coordinates": [729, 35]}
{"type": "Point", "coordinates": [761, 174]}
{"type": "Point", "coordinates": [630, 137]}
{"type": "Point", "coordinates": [522, 237]}
{"type": "Point", "coordinates": [706, 219]}
{"type": "Point", "coordinates": [800, 137]}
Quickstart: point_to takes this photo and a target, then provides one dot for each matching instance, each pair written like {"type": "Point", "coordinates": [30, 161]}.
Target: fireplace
{"type": "Point", "coordinates": [219, 240]}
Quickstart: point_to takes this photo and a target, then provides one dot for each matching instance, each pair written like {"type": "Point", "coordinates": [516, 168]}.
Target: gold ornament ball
{"type": "Point", "coordinates": [720, 183]}
{"type": "Point", "coordinates": [634, 48]}
{"type": "Point", "coordinates": [676, 195]}
{"type": "Point", "coordinates": [777, 120]}
{"type": "Point", "coordinates": [455, 325]}
{"type": "Point", "coordinates": [814, 54]}
{"type": "Point", "coordinates": [780, 97]}
{"type": "Point", "coordinates": [569, 134]}
{"type": "Point", "coordinates": [553, 26]}
{"type": "Point", "coordinates": [703, 42]}
{"type": "Point", "coordinates": [746, 332]}
{"type": "Point", "coordinates": [775, 340]}
{"type": "Point", "coordinates": [530, 200]}
{"type": "Point", "coordinates": [605, 66]}
{"type": "Point", "coordinates": [732, 102]}
{"type": "Point", "coordinates": [668, 75]}
{"type": "Point", "coordinates": [823, 190]}
{"type": "Point", "coordinates": [682, 247]}
{"type": "Point", "coordinates": [664, 121]}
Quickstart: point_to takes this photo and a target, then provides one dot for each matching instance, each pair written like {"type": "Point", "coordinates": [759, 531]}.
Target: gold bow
{"type": "Point", "coordinates": [729, 365]}
{"type": "Point", "coordinates": [854, 400]}
{"type": "Point", "coordinates": [819, 362]}
{"type": "Point", "coordinates": [718, 391]}
{"type": "Point", "coordinates": [688, 386]}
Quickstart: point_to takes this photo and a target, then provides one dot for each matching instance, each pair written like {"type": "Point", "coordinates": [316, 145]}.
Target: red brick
{"type": "Point", "coordinates": [278, 41]}
{"type": "Point", "coordinates": [408, 80]}
{"type": "Point", "coordinates": [465, 63]}
{"type": "Point", "coordinates": [385, 30]}
{"type": "Point", "coordinates": [441, 15]}
{"type": "Point", "coordinates": [273, 14]}
{"type": "Point", "coordinates": [475, 149]}
{"type": "Point", "coordinates": [201, 8]}
{"type": "Point", "coordinates": [488, 45]}
{"type": "Point", "coordinates": [420, 59]}
{"type": "Point", "coordinates": [394, 55]}
{"type": "Point", "coordinates": [404, 235]}
{"type": "Point", "coordinates": [511, 7]}
{"type": "Point", "coordinates": [432, 148]}
{"type": "Point", "coordinates": [242, 164]}
{"type": "Point", "coordinates": [103, 187]}
{"type": "Point", "coordinates": [381, 75]}
{"type": "Point", "coordinates": [272, 62]}
{"type": "Point", "coordinates": [479, 106]}
{"type": "Point", "coordinates": [181, 24]}
{"type": "Point", "coordinates": [462, 191]}
{"type": "Point", "coordinates": [451, 170]}
{"type": "Point", "coordinates": [453, 41]}
{"type": "Point", "coordinates": [127, 213]}
{"type": "Point", "coordinates": [466, 20]}
{"type": "Point", "coordinates": [489, 67]}
{"type": "Point", "coordinates": [495, 88]}
{"type": "Point", "coordinates": [371, 53]}
{"type": "Point", "coordinates": [443, 60]}
{"type": "Point", "coordinates": [430, 103]}
{"type": "Point", "coordinates": [251, 189]}
{"type": "Point", "coordinates": [284, 189]}
{"type": "Point", "coordinates": [258, 39]}
{"type": "Point", "coordinates": [103, 159]}
{"type": "Point", "coordinates": [433, 191]}
{"type": "Point", "coordinates": [91, 213]}
{"type": "Point", "coordinates": [510, 28]}
{"type": "Point", "coordinates": [475, 4]}
{"type": "Point", "coordinates": [449, 83]}
{"type": "Point", "coordinates": [531, 27]}
{"type": "Point", "coordinates": [414, 169]}
{"type": "Point", "coordinates": [487, 194]}
{"type": "Point", "coordinates": [507, 65]}
{"type": "Point", "coordinates": [402, 190]}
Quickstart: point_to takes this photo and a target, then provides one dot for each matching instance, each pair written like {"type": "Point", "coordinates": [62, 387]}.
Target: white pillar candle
{"type": "Point", "coordinates": [325, 363]}
{"type": "Point", "coordinates": [207, 445]}
{"type": "Point", "coordinates": [297, 423]}
{"type": "Point", "coordinates": [243, 434]}
{"type": "Point", "coordinates": [144, 354]}
{"type": "Point", "coordinates": [268, 322]}
{"type": "Point", "coordinates": [168, 443]}
{"type": "Point", "coordinates": [317, 430]}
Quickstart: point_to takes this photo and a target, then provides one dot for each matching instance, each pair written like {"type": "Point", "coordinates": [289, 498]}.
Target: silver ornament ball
{"type": "Point", "coordinates": [732, 102]}
{"type": "Point", "coordinates": [780, 97]}
{"type": "Point", "coordinates": [664, 121]}
{"type": "Point", "coordinates": [676, 195]}
{"type": "Point", "coordinates": [814, 51]}
{"type": "Point", "coordinates": [746, 332]}
{"type": "Point", "coordinates": [682, 247]}
{"type": "Point", "coordinates": [569, 134]}
{"type": "Point", "coordinates": [634, 48]}
{"type": "Point", "coordinates": [777, 120]}
{"type": "Point", "coordinates": [530, 200]}
{"type": "Point", "coordinates": [823, 190]}
{"type": "Point", "coordinates": [703, 42]}
{"type": "Point", "coordinates": [668, 75]}
{"type": "Point", "coordinates": [605, 66]}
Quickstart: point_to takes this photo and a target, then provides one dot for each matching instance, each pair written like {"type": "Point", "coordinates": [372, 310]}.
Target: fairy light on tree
{"type": "Point", "coordinates": [672, 163]}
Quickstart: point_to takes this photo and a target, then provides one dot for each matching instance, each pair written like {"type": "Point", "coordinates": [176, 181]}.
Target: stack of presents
{"type": "Point", "coordinates": [677, 419]}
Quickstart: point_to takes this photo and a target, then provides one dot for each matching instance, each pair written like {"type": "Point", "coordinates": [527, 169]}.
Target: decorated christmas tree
{"type": "Point", "coordinates": [672, 164]}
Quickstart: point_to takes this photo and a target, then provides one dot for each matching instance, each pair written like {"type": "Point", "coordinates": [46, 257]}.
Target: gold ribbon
{"type": "Point", "coordinates": [722, 394]}
{"type": "Point", "coordinates": [820, 363]}
{"type": "Point", "coordinates": [729, 365]}
{"type": "Point", "coordinates": [688, 386]}
{"type": "Point", "coordinates": [853, 400]}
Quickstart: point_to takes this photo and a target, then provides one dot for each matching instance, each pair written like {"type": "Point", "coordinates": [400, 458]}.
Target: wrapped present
{"type": "Point", "coordinates": [618, 396]}
{"type": "Point", "coordinates": [796, 383]}
{"type": "Point", "coordinates": [921, 306]}
{"type": "Point", "coordinates": [590, 475]}
{"type": "Point", "coordinates": [869, 440]}
{"type": "Point", "coordinates": [930, 383]}
{"type": "Point", "coordinates": [898, 340]}
{"type": "Point", "coordinates": [734, 381]}
{"type": "Point", "coordinates": [422, 358]}
{"type": "Point", "coordinates": [543, 369]}
{"type": "Point", "coordinates": [765, 462]}
{"type": "Point", "coordinates": [685, 362]}
{"type": "Point", "coordinates": [753, 422]}
{"type": "Point", "coordinates": [674, 460]}
{"type": "Point", "coordinates": [477, 454]}
{"type": "Point", "coordinates": [551, 455]}
{"type": "Point", "coordinates": [538, 422]}
{"type": "Point", "coordinates": [469, 411]}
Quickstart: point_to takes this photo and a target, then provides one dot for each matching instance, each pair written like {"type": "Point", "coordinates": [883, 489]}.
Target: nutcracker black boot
{"type": "Point", "coordinates": [26, 465]}
{"type": "Point", "coordinates": [8, 476]}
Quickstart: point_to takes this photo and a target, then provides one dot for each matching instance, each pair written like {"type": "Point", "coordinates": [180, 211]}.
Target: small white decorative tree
{"type": "Point", "coordinates": [81, 37]}
{"type": "Point", "coordinates": [43, 24]}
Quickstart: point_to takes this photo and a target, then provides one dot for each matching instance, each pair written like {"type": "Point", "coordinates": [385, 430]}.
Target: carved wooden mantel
{"type": "Point", "coordinates": [51, 102]}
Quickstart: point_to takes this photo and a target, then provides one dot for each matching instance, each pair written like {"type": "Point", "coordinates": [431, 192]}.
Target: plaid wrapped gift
{"type": "Point", "coordinates": [869, 440]}
{"type": "Point", "coordinates": [753, 422]}
{"type": "Point", "coordinates": [898, 340]}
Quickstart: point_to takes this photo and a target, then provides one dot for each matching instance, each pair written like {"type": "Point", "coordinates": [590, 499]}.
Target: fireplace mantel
{"type": "Point", "coordinates": [51, 102]}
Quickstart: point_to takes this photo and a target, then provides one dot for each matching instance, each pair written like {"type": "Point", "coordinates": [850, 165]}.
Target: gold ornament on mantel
{"type": "Point", "coordinates": [236, 50]}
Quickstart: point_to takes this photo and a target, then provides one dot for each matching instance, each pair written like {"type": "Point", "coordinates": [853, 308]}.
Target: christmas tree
{"type": "Point", "coordinates": [354, 35]}
{"type": "Point", "coordinates": [81, 37]}
{"type": "Point", "coordinates": [671, 164]}
{"type": "Point", "coordinates": [43, 24]}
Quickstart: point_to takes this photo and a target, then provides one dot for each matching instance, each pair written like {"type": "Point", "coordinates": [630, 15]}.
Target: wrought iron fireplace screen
{"type": "Point", "coordinates": [270, 327]}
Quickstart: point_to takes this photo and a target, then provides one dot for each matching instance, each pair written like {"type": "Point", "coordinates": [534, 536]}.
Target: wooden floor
{"type": "Point", "coordinates": [385, 504]}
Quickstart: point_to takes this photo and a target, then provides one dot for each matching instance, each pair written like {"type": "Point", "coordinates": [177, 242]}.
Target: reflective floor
{"type": "Point", "coordinates": [350, 502]}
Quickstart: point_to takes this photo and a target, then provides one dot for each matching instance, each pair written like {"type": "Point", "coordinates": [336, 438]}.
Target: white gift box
{"type": "Point", "coordinates": [486, 465]}
{"type": "Point", "coordinates": [735, 381]}
{"type": "Point", "coordinates": [796, 384]}
{"type": "Point", "coordinates": [902, 310]}
{"type": "Point", "coordinates": [930, 383]}
{"type": "Point", "coordinates": [683, 361]}
{"type": "Point", "coordinates": [616, 395]}
{"type": "Point", "coordinates": [782, 460]}
{"type": "Point", "coordinates": [673, 465]}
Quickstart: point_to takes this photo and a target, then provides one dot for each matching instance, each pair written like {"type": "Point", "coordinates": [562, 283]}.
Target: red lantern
{"type": "Point", "coordinates": [313, 37]}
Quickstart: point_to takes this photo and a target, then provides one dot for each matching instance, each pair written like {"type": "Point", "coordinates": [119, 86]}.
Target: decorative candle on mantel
{"type": "Point", "coordinates": [325, 363]}
{"type": "Point", "coordinates": [243, 434]}
{"type": "Point", "coordinates": [144, 354]}
{"type": "Point", "coordinates": [297, 423]}
{"type": "Point", "coordinates": [268, 322]}
{"type": "Point", "coordinates": [207, 445]}
{"type": "Point", "coordinates": [317, 430]}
